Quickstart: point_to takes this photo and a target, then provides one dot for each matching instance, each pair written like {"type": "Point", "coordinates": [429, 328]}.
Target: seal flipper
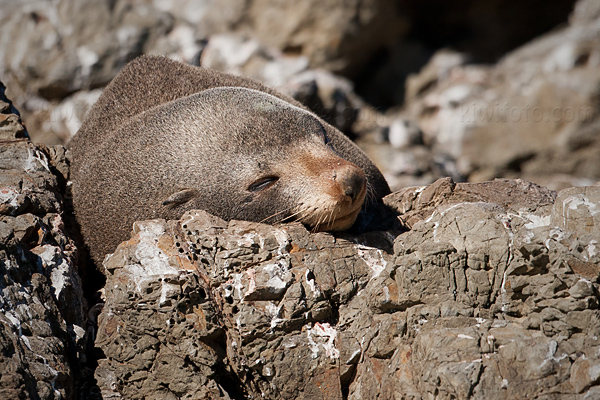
{"type": "Point", "coordinates": [180, 197]}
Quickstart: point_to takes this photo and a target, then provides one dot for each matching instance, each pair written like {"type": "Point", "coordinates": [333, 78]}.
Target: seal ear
{"type": "Point", "coordinates": [180, 197]}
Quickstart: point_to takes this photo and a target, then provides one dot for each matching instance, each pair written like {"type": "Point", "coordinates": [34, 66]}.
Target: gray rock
{"type": "Point", "coordinates": [48, 51]}
{"type": "Point", "coordinates": [485, 297]}
{"type": "Point", "coordinates": [266, 289]}
{"type": "Point", "coordinates": [533, 115]}
{"type": "Point", "coordinates": [42, 309]}
{"type": "Point", "coordinates": [10, 121]}
{"type": "Point", "coordinates": [54, 49]}
{"type": "Point", "coordinates": [334, 36]}
{"type": "Point", "coordinates": [54, 123]}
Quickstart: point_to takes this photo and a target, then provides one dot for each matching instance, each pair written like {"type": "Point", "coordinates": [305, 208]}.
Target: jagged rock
{"type": "Point", "coordinates": [42, 310]}
{"type": "Point", "coordinates": [242, 292]}
{"type": "Point", "coordinates": [493, 293]}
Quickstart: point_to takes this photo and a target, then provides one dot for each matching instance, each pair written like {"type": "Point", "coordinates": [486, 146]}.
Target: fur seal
{"type": "Point", "coordinates": [166, 137]}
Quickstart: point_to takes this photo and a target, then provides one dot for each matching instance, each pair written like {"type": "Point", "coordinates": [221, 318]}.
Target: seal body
{"type": "Point", "coordinates": [166, 137]}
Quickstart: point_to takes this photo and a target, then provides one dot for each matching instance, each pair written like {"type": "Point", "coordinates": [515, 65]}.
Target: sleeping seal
{"type": "Point", "coordinates": [166, 137]}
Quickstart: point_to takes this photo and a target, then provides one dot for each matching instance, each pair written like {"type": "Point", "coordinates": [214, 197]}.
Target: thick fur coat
{"type": "Point", "coordinates": [166, 137]}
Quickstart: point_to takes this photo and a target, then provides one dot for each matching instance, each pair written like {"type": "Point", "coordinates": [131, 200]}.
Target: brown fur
{"type": "Point", "coordinates": [165, 137]}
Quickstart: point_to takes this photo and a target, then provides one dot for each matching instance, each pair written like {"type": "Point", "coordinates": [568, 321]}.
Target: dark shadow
{"type": "Point", "coordinates": [484, 31]}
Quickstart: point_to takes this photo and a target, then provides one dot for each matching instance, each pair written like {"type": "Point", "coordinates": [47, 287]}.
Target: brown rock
{"type": "Point", "coordinates": [42, 309]}
{"type": "Point", "coordinates": [476, 301]}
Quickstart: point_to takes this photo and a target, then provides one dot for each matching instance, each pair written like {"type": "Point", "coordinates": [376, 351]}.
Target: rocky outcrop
{"type": "Point", "coordinates": [493, 293]}
{"type": "Point", "coordinates": [42, 309]}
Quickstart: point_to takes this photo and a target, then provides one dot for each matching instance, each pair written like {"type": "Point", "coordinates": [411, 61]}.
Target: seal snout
{"type": "Point", "coordinates": [351, 180]}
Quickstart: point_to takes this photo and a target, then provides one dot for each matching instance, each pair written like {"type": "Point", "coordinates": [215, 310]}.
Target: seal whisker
{"type": "Point", "coordinates": [304, 212]}
{"type": "Point", "coordinates": [278, 213]}
{"type": "Point", "coordinates": [331, 218]}
{"type": "Point", "coordinates": [288, 218]}
{"type": "Point", "coordinates": [322, 219]}
{"type": "Point", "coordinates": [301, 211]}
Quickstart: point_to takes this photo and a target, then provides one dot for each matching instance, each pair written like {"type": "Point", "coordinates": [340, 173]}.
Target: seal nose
{"type": "Point", "coordinates": [351, 179]}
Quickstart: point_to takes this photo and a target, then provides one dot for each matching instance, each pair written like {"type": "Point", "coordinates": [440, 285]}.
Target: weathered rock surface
{"type": "Point", "coordinates": [42, 310]}
{"type": "Point", "coordinates": [493, 293]}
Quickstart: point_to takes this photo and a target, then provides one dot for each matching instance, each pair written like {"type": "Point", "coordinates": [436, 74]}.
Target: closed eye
{"type": "Point", "coordinates": [263, 183]}
{"type": "Point", "coordinates": [325, 136]}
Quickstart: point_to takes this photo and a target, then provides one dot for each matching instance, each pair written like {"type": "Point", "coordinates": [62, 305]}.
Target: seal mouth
{"type": "Point", "coordinates": [342, 215]}
{"type": "Point", "coordinates": [340, 223]}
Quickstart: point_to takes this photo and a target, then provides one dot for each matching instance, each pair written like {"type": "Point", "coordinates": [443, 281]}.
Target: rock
{"type": "Point", "coordinates": [586, 11]}
{"type": "Point", "coordinates": [488, 295]}
{"type": "Point", "coordinates": [42, 309]}
{"type": "Point", "coordinates": [239, 55]}
{"type": "Point", "coordinates": [533, 115]}
{"type": "Point", "coordinates": [10, 120]}
{"type": "Point", "coordinates": [337, 37]}
{"type": "Point", "coordinates": [192, 276]}
{"type": "Point", "coordinates": [483, 31]}
{"type": "Point", "coordinates": [330, 96]}
{"type": "Point", "coordinates": [403, 134]}
{"type": "Point", "coordinates": [46, 51]}
{"type": "Point", "coordinates": [415, 204]}
{"type": "Point", "coordinates": [49, 51]}
{"type": "Point", "coordinates": [56, 123]}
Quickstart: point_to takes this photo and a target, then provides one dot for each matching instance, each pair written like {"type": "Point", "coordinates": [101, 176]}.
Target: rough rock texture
{"type": "Point", "coordinates": [233, 309]}
{"type": "Point", "coordinates": [493, 293]}
{"type": "Point", "coordinates": [42, 321]}
{"type": "Point", "coordinates": [534, 115]}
